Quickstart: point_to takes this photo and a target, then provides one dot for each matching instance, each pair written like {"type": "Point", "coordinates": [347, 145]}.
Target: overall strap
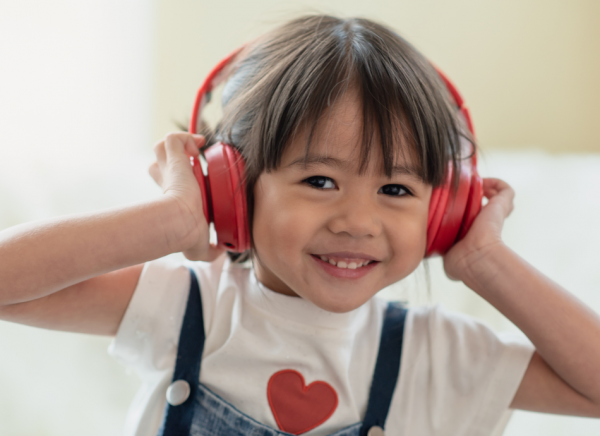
{"type": "Point", "coordinates": [178, 419]}
{"type": "Point", "coordinates": [387, 368]}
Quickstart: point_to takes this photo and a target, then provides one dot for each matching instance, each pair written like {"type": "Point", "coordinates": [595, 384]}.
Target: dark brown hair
{"type": "Point", "coordinates": [288, 77]}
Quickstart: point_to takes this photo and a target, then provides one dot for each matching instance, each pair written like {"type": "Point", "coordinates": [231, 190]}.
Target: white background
{"type": "Point", "coordinates": [87, 87]}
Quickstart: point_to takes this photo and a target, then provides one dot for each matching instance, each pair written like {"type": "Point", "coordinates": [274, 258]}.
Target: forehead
{"type": "Point", "coordinates": [337, 139]}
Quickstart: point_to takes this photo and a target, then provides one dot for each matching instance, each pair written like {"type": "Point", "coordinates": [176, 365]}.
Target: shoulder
{"type": "Point", "coordinates": [443, 332]}
{"type": "Point", "coordinates": [221, 283]}
{"type": "Point", "coordinates": [149, 331]}
{"type": "Point", "coordinates": [209, 274]}
{"type": "Point", "coordinates": [456, 369]}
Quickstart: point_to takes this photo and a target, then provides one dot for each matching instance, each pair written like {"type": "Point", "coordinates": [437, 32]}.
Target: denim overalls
{"type": "Point", "coordinates": [200, 412]}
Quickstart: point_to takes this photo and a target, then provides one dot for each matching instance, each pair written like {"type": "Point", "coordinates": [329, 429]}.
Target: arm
{"type": "Point", "coordinates": [563, 375]}
{"type": "Point", "coordinates": [49, 274]}
{"type": "Point", "coordinates": [93, 306]}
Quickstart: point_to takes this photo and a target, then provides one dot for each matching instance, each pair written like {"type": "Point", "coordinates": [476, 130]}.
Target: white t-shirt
{"type": "Point", "coordinates": [457, 377]}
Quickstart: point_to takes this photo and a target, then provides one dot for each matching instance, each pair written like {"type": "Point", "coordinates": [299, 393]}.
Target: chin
{"type": "Point", "coordinates": [339, 305]}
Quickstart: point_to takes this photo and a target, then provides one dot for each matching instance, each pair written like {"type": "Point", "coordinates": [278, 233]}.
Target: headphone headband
{"type": "Point", "coordinates": [213, 80]}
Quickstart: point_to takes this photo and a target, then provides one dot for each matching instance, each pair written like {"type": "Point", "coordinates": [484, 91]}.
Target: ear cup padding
{"type": "Point", "coordinates": [452, 213]}
{"type": "Point", "coordinates": [236, 165]}
{"type": "Point", "coordinates": [204, 190]}
{"type": "Point", "coordinates": [433, 203]}
{"type": "Point", "coordinates": [436, 210]}
{"type": "Point", "coordinates": [225, 175]}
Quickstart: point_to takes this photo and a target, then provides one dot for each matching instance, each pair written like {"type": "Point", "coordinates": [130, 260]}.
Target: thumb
{"type": "Point", "coordinates": [214, 251]}
{"type": "Point", "coordinates": [205, 255]}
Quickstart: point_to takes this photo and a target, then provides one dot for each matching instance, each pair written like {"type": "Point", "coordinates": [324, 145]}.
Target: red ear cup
{"type": "Point", "coordinates": [202, 182]}
{"type": "Point", "coordinates": [437, 206]}
{"type": "Point", "coordinates": [224, 195]}
{"type": "Point", "coordinates": [223, 188]}
{"type": "Point", "coordinates": [451, 216]}
{"type": "Point", "coordinates": [451, 213]}
{"type": "Point", "coordinates": [435, 199]}
{"type": "Point", "coordinates": [439, 240]}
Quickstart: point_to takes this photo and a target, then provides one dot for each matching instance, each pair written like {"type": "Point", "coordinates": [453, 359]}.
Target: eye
{"type": "Point", "coordinates": [395, 190]}
{"type": "Point", "coordinates": [320, 182]}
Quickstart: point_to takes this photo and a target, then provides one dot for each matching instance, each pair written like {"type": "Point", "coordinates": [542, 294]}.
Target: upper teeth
{"type": "Point", "coordinates": [342, 264]}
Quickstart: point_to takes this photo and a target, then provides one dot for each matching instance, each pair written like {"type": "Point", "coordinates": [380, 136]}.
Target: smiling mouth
{"type": "Point", "coordinates": [345, 263]}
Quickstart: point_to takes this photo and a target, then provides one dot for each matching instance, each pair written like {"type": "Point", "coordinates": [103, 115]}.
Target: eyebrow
{"type": "Point", "coordinates": [313, 160]}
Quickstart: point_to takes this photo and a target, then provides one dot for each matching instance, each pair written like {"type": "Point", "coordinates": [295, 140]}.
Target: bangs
{"type": "Point", "coordinates": [290, 77]}
{"type": "Point", "coordinates": [384, 123]}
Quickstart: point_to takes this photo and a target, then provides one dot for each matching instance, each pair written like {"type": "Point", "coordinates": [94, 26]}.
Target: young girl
{"type": "Point", "coordinates": [345, 131]}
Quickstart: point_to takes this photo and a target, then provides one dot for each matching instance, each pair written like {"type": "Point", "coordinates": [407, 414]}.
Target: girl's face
{"type": "Point", "coordinates": [315, 225]}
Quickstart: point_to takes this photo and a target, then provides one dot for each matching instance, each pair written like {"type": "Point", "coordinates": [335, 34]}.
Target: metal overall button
{"type": "Point", "coordinates": [178, 392]}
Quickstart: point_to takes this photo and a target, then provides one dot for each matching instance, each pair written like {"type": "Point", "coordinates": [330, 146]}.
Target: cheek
{"type": "Point", "coordinates": [281, 227]}
{"type": "Point", "coordinates": [409, 243]}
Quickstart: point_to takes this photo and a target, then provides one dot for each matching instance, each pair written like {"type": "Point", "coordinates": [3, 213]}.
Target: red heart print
{"type": "Point", "coordinates": [298, 408]}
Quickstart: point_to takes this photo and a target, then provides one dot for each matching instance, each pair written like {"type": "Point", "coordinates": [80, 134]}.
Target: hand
{"type": "Point", "coordinates": [485, 233]}
{"type": "Point", "coordinates": [172, 171]}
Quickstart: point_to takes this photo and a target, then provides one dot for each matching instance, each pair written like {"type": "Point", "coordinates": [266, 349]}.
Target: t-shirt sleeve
{"type": "Point", "coordinates": [457, 375]}
{"type": "Point", "coordinates": [147, 337]}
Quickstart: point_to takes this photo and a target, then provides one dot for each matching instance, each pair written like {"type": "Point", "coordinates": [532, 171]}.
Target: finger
{"type": "Point", "coordinates": [159, 151]}
{"type": "Point", "coordinates": [497, 185]}
{"type": "Point", "coordinates": [214, 251]}
{"type": "Point", "coordinates": [161, 161]}
{"type": "Point", "coordinates": [155, 173]}
{"type": "Point", "coordinates": [499, 193]}
{"type": "Point", "coordinates": [193, 146]}
{"type": "Point", "coordinates": [176, 147]}
{"type": "Point", "coordinates": [190, 148]}
{"type": "Point", "coordinates": [191, 143]}
{"type": "Point", "coordinates": [207, 255]}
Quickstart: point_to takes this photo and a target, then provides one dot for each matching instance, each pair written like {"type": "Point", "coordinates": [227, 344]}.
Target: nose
{"type": "Point", "coordinates": [356, 216]}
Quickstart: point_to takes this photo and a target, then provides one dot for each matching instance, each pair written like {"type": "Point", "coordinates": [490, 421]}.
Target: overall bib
{"type": "Point", "coordinates": [193, 410]}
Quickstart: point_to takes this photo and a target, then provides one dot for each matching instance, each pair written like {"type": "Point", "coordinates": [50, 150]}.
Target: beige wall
{"type": "Point", "coordinates": [529, 69]}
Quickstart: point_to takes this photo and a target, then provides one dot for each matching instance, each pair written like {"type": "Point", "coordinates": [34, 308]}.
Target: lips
{"type": "Point", "coordinates": [345, 267]}
{"type": "Point", "coordinates": [348, 255]}
{"type": "Point", "coordinates": [347, 259]}
{"type": "Point", "coordinates": [345, 262]}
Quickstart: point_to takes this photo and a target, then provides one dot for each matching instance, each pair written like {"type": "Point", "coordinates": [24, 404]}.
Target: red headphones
{"type": "Point", "coordinates": [224, 197]}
